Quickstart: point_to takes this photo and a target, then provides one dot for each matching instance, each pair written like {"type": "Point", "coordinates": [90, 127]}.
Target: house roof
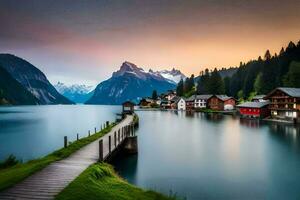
{"type": "Point", "coordinates": [203, 96]}
{"type": "Point", "coordinates": [253, 104]}
{"type": "Point", "coordinates": [128, 102]}
{"type": "Point", "coordinates": [175, 99]}
{"type": "Point", "coordinates": [222, 97]}
{"type": "Point", "coordinates": [293, 92]}
{"type": "Point", "coordinates": [180, 99]}
{"type": "Point", "coordinates": [259, 96]}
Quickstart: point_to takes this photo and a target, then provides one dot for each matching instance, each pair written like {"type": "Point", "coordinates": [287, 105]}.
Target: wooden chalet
{"type": "Point", "coordinates": [221, 102]}
{"type": "Point", "coordinates": [285, 103]}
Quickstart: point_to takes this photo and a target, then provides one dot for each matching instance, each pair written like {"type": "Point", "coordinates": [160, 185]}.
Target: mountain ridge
{"type": "Point", "coordinates": [75, 92]}
{"type": "Point", "coordinates": [33, 79]}
{"type": "Point", "coordinates": [130, 82]}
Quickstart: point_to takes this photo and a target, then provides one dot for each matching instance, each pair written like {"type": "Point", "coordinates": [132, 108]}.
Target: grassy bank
{"type": "Point", "coordinates": [100, 181]}
{"type": "Point", "coordinates": [12, 175]}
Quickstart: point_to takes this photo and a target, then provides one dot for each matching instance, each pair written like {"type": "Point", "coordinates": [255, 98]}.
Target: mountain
{"type": "Point", "coordinates": [129, 83]}
{"type": "Point", "coordinates": [12, 92]}
{"type": "Point", "coordinates": [32, 79]}
{"type": "Point", "coordinates": [76, 93]}
{"type": "Point", "coordinates": [173, 75]}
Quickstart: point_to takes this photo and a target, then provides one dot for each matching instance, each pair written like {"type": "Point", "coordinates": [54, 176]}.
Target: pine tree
{"type": "Point", "coordinates": [179, 89]}
{"type": "Point", "coordinates": [203, 82]}
{"type": "Point", "coordinates": [154, 95]}
{"type": "Point", "coordinates": [216, 84]}
{"type": "Point", "coordinates": [268, 55]}
{"type": "Point", "coordinates": [258, 83]}
{"type": "Point", "coordinates": [292, 78]}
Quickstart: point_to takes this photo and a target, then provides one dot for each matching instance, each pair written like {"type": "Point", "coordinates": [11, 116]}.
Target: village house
{"type": "Point", "coordinates": [221, 102]}
{"type": "Point", "coordinates": [127, 107]}
{"type": "Point", "coordinates": [169, 95]}
{"type": "Point", "coordinates": [201, 100]}
{"type": "Point", "coordinates": [173, 102]}
{"type": "Point", "coordinates": [181, 104]}
{"type": "Point", "coordinates": [190, 103]}
{"type": "Point", "coordinates": [254, 109]}
{"type": "Point", "coordinates": [146, 102]}
{"type": "Point", "coordinates": [167, 99]}
{"type": "Point", "coordinates": [259, 98]}
{"type": "Point", "coordinates": [165, 104]}
{"type": "Point", "coordinates": [285, 103]}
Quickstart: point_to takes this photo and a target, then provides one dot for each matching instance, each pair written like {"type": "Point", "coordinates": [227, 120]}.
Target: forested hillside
{"type": "Point", "coordinates": [257, 76]}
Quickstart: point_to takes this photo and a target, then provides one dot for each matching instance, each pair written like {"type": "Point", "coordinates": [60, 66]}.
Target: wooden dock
{"type": "Point", "coordinates": [48, 182]}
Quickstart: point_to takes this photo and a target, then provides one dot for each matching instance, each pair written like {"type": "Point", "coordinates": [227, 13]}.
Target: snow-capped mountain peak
{"type": "Point", "coordinates": [173, 75]}
{"type": "Point", "coordinates": [75, 88]}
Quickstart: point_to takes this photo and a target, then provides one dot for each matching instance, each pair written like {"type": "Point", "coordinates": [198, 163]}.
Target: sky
{"type": "Point", "coordinates": [78, 41]}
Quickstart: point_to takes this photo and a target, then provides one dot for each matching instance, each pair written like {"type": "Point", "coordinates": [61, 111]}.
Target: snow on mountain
{"type": "Point", "coordinates": [77, 93]}
{"type": "Point", "coordinates": [129, 83]}
{"type": "Point", "coordinates": [75, 88]}
{"type": "Point", "coordinates": [173, 75]}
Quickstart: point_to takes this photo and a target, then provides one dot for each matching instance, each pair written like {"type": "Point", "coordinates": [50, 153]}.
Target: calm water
{"type": "Point", "coordinates": [214, 157]}
{"type": "Point", "coordinates": [32, 131]}
{"type": "Point", "coordinates": [196, 156]}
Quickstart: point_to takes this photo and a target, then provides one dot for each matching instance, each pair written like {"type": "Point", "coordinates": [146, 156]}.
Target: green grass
{"type": "Point", "coordinates": [12, 175]}
{"type": "Point", "coordinates": [100, 181]}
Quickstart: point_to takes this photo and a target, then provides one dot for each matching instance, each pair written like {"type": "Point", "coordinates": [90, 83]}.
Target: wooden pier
{"type": "Point", "coordinates": [51, 180]}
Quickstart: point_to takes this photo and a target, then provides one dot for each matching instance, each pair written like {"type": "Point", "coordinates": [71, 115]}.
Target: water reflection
{"type": "Point", "coordinates": [212, 156]}
{"type": "Point", "coordinates": [251, 123]}
{"type": "Point", "coordinates": [29, 132]}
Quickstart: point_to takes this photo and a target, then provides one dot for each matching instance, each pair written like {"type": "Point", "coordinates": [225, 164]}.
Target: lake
{"type": "Point", "coordinates": [30, 132]}
{"type": "Point", "coordinates": [197, 156]}
{"type": "Point", "coordinates": [209, 156]}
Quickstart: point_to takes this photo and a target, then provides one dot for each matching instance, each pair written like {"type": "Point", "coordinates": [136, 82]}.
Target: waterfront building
{"type": "Point", "coordinates": [201, 100]}
{"type": "Point", "coordinates": [254, 109]}
{"type": "Point", "coordinates": [181, 104]}
{"type": "Point", "coordinates": [165, 104]}
{"type": "Point", "coordinates": [146, 102]}
{"type": "Point", "coordinates": [221, 102]}
{"type": "Point", "coordinates": [190, 103]}
{"type": "Point", "coordinates": [285, 103]}
{"type": "Point", "coordinates": [128, 107]}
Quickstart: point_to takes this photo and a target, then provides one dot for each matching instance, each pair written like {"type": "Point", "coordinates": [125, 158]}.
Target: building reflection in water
{"type": "Point", "coordinates": [251, 123]}
{"type": "Point", "coordinates": [288, 132]}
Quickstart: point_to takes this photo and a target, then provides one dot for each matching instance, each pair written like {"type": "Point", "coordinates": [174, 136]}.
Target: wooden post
{"type": "Point", "coordinates": [119, 137]}
{"type": "Point", "coordinates": [107, 123]}
{"type": "Point", "coordinates": [133, 133]}
{"type": "Point", "coordinates": [109, 144]}
{"type": "Point", "coordinates": [95, 130]}
{"type": "Point", "coordinates": [77, 136]}
{"type": "Point", "coordinates": [65, 142]}
{"type": "Point", "coordinates": [100, 150]}
{"type": "Point", "coordinates": [115, 138]}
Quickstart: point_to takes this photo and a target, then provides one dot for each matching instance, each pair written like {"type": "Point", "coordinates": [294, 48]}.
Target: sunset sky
{"type": "Point", "coordinates": [85, 41]}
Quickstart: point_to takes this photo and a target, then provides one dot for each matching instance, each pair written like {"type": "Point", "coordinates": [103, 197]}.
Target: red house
{"type": "Point", "coordinates": [221, 102]}
{"type": "Point", "coordinates": [254, 109]}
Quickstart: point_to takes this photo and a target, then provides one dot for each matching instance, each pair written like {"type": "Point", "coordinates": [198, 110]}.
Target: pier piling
{"type": "Point", "coordinates": [65, 142]}
{"type": "Point", "coordinates": [100, 150]}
